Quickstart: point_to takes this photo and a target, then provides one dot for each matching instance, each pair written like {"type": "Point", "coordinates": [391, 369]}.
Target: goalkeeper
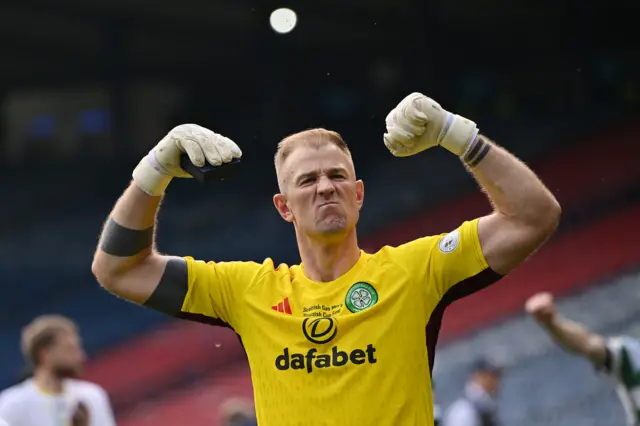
{"type": "Point", "coordinates": [346, 337]}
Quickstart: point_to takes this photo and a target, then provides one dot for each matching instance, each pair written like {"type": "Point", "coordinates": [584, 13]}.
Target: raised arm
{"type": "Point", "coordinates": [126, 262]}
{"type": "Point", "coordinates": [569, 335]}
{"type": "Point", "coordinates": [525, 213]}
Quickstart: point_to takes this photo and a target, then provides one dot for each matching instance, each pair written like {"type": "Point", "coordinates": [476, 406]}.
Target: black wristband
{"type": "Point", "coordinates": [476, 153]}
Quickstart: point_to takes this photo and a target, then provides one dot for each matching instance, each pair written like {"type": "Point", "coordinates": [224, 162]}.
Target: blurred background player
{"type": "Point", "coordinates": [54, 395]}
{"type": "Point", "coordinates": [238, 412]}
{"type": "Point", "coordinates": [477, 406]}
{"type": "Point", "coordinates": [618, 357]}
{"type": "Point", "coordinates": [437, 415]}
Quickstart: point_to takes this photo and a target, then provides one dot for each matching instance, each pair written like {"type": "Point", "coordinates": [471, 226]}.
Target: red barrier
{"type": "Point", "coordinates": [196, 407]}
{"type": "Point", "coordinates": [161, 358]}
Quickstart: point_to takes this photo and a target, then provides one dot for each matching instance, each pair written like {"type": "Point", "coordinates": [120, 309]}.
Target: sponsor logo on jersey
{"type": "Point", "coordinates": [314, 360]}
{"type": "Point", "coordinates": [361, 296]}
{"type": "Point", "coordinates": [283, 307]}
{"type": "Point", "coordinates": [321, 331]}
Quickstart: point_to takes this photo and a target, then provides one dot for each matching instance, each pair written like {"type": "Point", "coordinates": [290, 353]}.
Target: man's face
{"type": "Point", "coordinates": [489, 380]}
{"type": "Point", "coordinates": [66, 356]}
{"type": "Point", "coordinates": [322, 197]}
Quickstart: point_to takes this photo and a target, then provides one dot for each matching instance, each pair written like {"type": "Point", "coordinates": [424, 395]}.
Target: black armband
{"type": "Point", "coordinates": [478, 151]}
{"type": "Point", "coordinates": [169, 295]}
{"type": "Point", "coordinates": [125, 242]}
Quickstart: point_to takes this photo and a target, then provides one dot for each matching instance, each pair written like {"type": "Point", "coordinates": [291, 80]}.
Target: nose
{"type": "Point", "coordinates": [325, 187]}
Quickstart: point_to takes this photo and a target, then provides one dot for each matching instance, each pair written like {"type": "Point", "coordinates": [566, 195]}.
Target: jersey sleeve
{"type": "Point", "coordinates": [449, 261]}
{"type": "Point", "coordinates": [623, 359]}
{"type": "Point", "coordinates": [215, 290]}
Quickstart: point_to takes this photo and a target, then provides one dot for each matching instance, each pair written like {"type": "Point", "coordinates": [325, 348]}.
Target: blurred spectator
{"type": "Point", "coordinates": [477, 407]}
{"type": "Point", "coordinates": [437, 415]}
{"type": "Point", "coordinates": [53, 396]}
{"type": "Point", "coordinates": [437, 411]}
{"type": "Point", "coordinates": [238, 412]}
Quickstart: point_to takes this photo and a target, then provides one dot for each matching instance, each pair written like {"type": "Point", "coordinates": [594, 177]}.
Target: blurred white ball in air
{"type": "Point", "coordinates": [283, 20]}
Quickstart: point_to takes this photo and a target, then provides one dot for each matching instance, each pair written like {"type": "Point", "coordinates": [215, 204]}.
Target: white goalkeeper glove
{"type": "Point", "coordinates": [419, 123]}
{"type": "Point", "coordinates": [155, 171]}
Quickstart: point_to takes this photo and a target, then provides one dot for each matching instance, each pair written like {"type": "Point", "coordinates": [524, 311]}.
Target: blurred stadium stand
{"type": "Point", "coordinates": [89, 87]}
{"type": "Point", "coordinates": [574, 393]}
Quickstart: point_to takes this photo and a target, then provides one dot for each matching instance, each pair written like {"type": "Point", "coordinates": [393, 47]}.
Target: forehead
{"type": "Point", "coordinates": [307, 159]}
{"type": "Point", "coordinates": [68, 337]}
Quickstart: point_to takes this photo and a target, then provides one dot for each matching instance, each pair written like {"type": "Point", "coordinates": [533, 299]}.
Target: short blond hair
{"type": "Point", "coordinates": [42, 332]}
{"type": "Point", "coordinates": [314, 138]}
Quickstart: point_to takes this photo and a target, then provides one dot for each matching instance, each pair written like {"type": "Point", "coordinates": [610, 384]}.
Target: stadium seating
{"type": "Point", "coordinates": [202, 402]}
{"type": "Point", "coordinates": [187, 351]}
{"type": "Point", "coordinates": [542, 384]}
{"type": "Point", "coordinates": [107, 321]}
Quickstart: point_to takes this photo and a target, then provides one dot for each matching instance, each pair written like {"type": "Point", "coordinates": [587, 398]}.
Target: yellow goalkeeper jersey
{"type": "Point", "coordinates": [356, 351]}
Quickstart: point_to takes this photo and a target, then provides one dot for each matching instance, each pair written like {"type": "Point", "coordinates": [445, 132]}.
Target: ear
{"type": "Point", "coordinates": [360, 193]}
{"type": "Point", "coordinates": [280, 201]}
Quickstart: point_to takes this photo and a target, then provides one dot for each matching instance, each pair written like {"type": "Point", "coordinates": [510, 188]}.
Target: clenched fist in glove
{"type": "Point", "coordinates": [162, 164]}
{"type": "Point", "coordinates": [419, 123]}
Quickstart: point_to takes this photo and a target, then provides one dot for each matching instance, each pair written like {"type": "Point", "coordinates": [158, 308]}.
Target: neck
{"type": "Point", "coordinates": [326, 261]}
{"type": "Point", "coordinates": [47, 382]}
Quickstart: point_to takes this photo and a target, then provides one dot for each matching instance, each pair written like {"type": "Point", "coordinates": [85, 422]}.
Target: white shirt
{"type": "Point", "coordinates": [462, 412]}
{"type": "Point", "coordinates": [625, 373]}
{"type": "Point", "coordinates": [26, 405]}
